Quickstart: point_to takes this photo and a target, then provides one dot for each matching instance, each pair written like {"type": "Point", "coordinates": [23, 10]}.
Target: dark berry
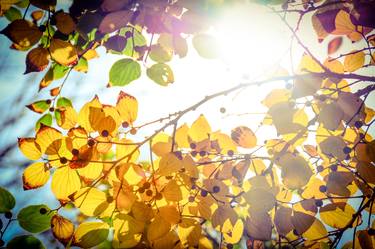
{"type": "Point", "coordinates": [323, 188]}
{"type": "Point", "coordinates": [193, 146]}
{"type": "Point", "coordinates": [169, 177]}
{"type": "Point", "coordinates": [75, 152]}
{"type": "Point", "coordinates": [222, 110]}
{"type": "Point", "coordinates": [194, 153]}
{"type": "Point", "coordinates": [91, 142]}
{"type": "Point", "coordinates": [347, 150]}
{"type": "Point", "coordinates": [158, 196]}
{"type": "Point", "coordinates": [216, 189]}
{"type": "Point", "coordinates": [105, 133]}
{"type": "Point", "coordinates": [48, 101]}
{"type": "Point", "coordinates": [202, 153]}
{"type": "Point", "coordinates": [334, 167]}
{"type": "Point", "coordinates": [295, 232]}
{"type": "Point", "coordinates": [133, 131]}
{"type": "Point", "coordinates": [178, 154]}
{"type": "Point", "coordinates": [191, 198]}
{"type": "Point", "coordinates": [51, 109]}
{"type": "Point", "coordinates": [125, 124]}
{"type": "Point", "coordinates": [358, 124]}
{"type": "Point", "coordinates": [141, 190]}
{"type": "Point", "coordinates": [371, 231]}
{"type": "Point", "coordinates": [204, 193]}
{"type": "Point", "coordinates": [128, 34]}
{"type": "Point", "coordinates": [63, 160]}
{"type": "Point", "coordinates": [42, 28]}
{"type": "Point", "coordinates": [319, 203]}
{"type": "Point", "coordinates": [230, 153]}
{"type": "Point", "coordinates": [230, 246]}
{"type": "Point", "coordinates": [8, 215]}
{"type": "Point", "coordinates": [146, 185]}
{"type": "Point", "coordinates": [320, 168]}
{"type": "Point", "coordinates": [109, 199]}
{"type": "Point", "coordinates": [193, 186]}
{"type": "Point", "coordinates": [43, 211]}
{"type": "Point", "coordinates": [149, 192]}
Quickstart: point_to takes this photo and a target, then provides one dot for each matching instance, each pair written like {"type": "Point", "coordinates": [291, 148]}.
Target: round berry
{"type": "Point", "coordinates": [204, 193]}
{"type": "Point", "coordinates": [125, 124]}
{"type": "Point", "coordinates": [109, 199]}
{"type": "Point", "coordinates": [230, 153]}
{"type": "Point", "coordinates": [43, 211]}
{"type": "Point", "coordinates": [191, 198]}
{"type": "Point", "coordinates": [347, 150]}
{"type": "Point", "coordinates": [149, 192]}
{"type": "Point", "coordinates": [194, 153]}
{"type": "Point", "coordinates": [51, 109]}
{"type": "Point", "coordinates": [128, 34]}
{"type": "Point", "coordinates": [48, 101]}
{"type": "Point", "coordinates": [322, 188]}
{"type": "Point", "coordinates": [158, 196]}
{"type": "Point", "coordinates": [319, 203]}
{"type": "Point", "coordinates": [133, 131]}
{"type": "Point", "coordinates": [295, 232]}
{"type": "Point", "coordinates": [216, 189]}
{"type": "Point", "coordinates": [178, 154]}
{"type": "Point", "coordinates": [358, 124]}
{"type": "Point", "coordinates": [202, 153]}
{"type": "Point", "coordinates": [75, 152]}
{"type": "Point", "coordinates": [320, 168]}
{"type": "Point", "coordinates": [63, 160]}
{"type": "Point", "coordinates": [334, 167]}
{"type": "Point", "coordinates": [230, 246]}
{"type": "Point", "coordinates": [105, 133]}
{"type": "Point", "coordinates": [146, 185]}
{"type": "Point", "coordinates": [141, 190]}
{"type": "Point", "coordinates": [193, 146]}
{"type": "Point", "coordinates": [8, 215]}
{"type": "Point", "coordinates": [193, 186]}
{"type": "Point", "coordinates": [222, 110]}
{"type": "Point", "coordinates": [169, 177]}
{"type": "Point", "coordinates": [91, 142]}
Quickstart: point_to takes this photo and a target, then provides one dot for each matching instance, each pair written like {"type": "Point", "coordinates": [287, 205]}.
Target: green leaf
{"type": "Point", "coordinates": [159, 54]}
{"type": "Point", "coordinates": [139, 41]}
{"type": "Point", "coordinates": [25, 241]}
{"type": "Point", "coordinates": [35, 218]}
{"type": "Point", "coordinates": [161, 73]}
{"type": "Point", "coordinates": [123, 72]}
{"type": "Point", "coordinates": [64, 102]}
{"type": "Point", "coordinates": [40, 106]}
{"type": "Point", "coordinates": [7, 201]}
{"type": "Point", "coordinates": [46, 119]}
{"type": "Point", "coordinates": [206, 46]}
{"type": "Point", "coordinates": [13, 14]}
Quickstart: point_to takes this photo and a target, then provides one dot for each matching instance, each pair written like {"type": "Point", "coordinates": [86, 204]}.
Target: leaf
{"type": "Point", "coordinates": [62, 228]}
{"type": "Point", "coordinates": [82, 66]}
{"type": "Point", "coordinates": [123, 72]}
{"type": "Point", "coordinates": [189, 231]}
{"type": "Point", "coordinates": [244, 137]}
{"type": "Point", "coordinates": [40, 106]}
{"type": "Point", "coordinates": [90, 201]}
{"type": "Point", "coordinates": [63, 52]}
{"type": "Point", "coordinates": [65, 181]}
{"type": "Point", "coordinates": [200, 129]}
{"type": "Point", "coordinates": [23, 33]}
{"type": "Point", "coordinates": [29, 148]}
{"type": "Point", "coordinates": [306, 85]}
{"type": "Point", "coordinates": [343, 23]}
{"type": "Point", "coordinates": [25, 241]}
{"type": "Point", "coordinates": [283, 220]}
{"type": "Point", "coordinates": [169, 164]}
{"type": "Point", "coordinates": [259, 199]}
{"type": "Point", "coordinates": [35, 175]}
{"type": "Point", "coordinates": [35, 218]}
{"type": "Point", "coordinates": [64, 23]}
{"type": "Point", "coordinates": [158, 228]}
{"type": "Point", "coordinates": [366, 171]}
{"type": "Point", "coordinates": [55, 72]}
{"type": "Point", "coordinates": [232, 234]}
{"type": "Point", "coordinates": [90, 234]}
{"type": "Point", "coordinates": [13, 14]}
{"type": "Point", "coordinates": [259, 226]}
{"type": "Point", "coordinates": [295, 171]}
{"type": "Point", "coordinates": [127, 106]}
{"type": "Point", "coordinates": [46, 119]}
{"type": "Point", "coordinates": [37, 60]}
{"type": "Point", "coordinates": [172, 191]}
{"type": "Point", "coordinates": [161, 74]}
{"type": "Point", "coordinates": [206, 45]}
{"type": "Point", "coordinates": [334, 45]}
{"type": "Point", "coordinates": [7, 201]}
{"type": "Point", "coordinates": [337, 215]}
{"type": "Point", "coordinates": [355, 61]}
{"type": "Point", "coordinates": [114, 21]}
{"type": "Point", "coordinates": [160, 54]}
{"type": "Point", "coordinates": [331, 115]}
{"type": "Point", "coordinates": [333, 147]}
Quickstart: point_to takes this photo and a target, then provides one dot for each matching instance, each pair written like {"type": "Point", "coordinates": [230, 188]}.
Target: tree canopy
{"type": "Point", "coordinates": [185, 184]}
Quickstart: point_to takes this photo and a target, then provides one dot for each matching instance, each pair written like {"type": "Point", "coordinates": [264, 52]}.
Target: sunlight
{"type": "Point", "coordinates": [252, 40]}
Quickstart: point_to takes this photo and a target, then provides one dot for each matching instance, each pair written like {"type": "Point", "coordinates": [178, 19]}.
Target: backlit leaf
{"type": "Point", "coordinates": [161, 74]}
{"type": "Point", "coordinates": [35, 175]}
{"type": "Point", "coordinates": [35, 218]}
{"type": "Point", "coordinates": [123, 72]}
{"type": "Point", "coordinates": [7, 201]}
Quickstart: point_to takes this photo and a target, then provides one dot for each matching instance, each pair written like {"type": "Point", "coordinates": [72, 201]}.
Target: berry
{"type": "Point", "coordinates": [216, 189]}
{"type": "Point", "coordinates": [230, 153]}
{"type": "Point", "coordinates": [109, 199]}
{"type": "Point", "coordinates": [347, 150]}
{"type": "Point", "coordinates": [193, 146]}
{"type": "Point", "coordinates": [105, 133]}
{"type": "Point", "coordinates": [43, 211]}
{"type": "Point", "coordinates": [42, 28]}
{"type": "Point", "coordinates": [141, 190]}
{"type": "Point", "coordinates": [204, 193]}
{"type": "Point", "coordinates": [371, 231]}
{"type": "Point", "coordinates": [222, 110]}
{"type": "Point", "coordinates": [358, 124]}
{"type": "Point", "coordinates": [230, 246]}
{"type": "Point", "coordinates": [169, 177]}
{"type": "Point", "coordinates": [128, 34]}
{"type": "Point", "coordinates": [125, 124]}
{"type": "Point", "coordinates": [319, 203]}
{"type": "Point", "coordinates": [191, 198]}
{"type": "Point", "coordinates": [48, 101]}
{"type": "Point", "coordinates": [133, 131]}
{"type": "Point", "coordinates": [91, 142]}
{"type": "Point", "coordinates": [295, 232]}
{"type": "Point", "coordinates": [202, 153]}
{"type": "Point", "coordinates": [320, 168]}
{"type": "Point", "coordinates": [8, 215]}
{"type": "Point", "coordinates": [75, 152]}
{"type": "Point", "coordinates": [194, 153]}
{"type": "Point", "coordinates": [63, 160]}
{"type": "Point", "coordinates": [334, 167]}
{"type": "Point", "coordinates": [193, 186]}
{"type": "Point", "coordinates": [178, 154]}
{"type": "Point", "coordinates": [323, 188]}
{"type": "Point", "coordinates": [146, 185]}
{"type": "Point", "coordinates": [149, 192]}
{"type": "Point", "coordinates": [51, 109]}
{"type": "Point", "coordinates": [158, 196]}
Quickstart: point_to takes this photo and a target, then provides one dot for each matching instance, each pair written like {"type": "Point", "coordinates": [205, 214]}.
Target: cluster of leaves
{"type": "Point", "coordinates": [200, 188]}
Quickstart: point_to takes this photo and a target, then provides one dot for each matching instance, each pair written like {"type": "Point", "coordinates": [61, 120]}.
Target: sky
{"type": "Point", "coordinates": [254, 43]}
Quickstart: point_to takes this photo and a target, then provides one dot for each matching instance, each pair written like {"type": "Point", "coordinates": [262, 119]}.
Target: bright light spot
{"type": "Point", "coordinates": [252, 39]}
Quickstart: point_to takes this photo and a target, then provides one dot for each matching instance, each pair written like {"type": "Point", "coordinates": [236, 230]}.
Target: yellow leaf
{"type": "Point", "coordinates": [45, 138]}
{"type": "Point", "coordinates": [343, 24]}
{"type": "Point", "coordinates": [317, 231]}
{"type": "Point", "coordinates": [90, 234]}
{"type": "Point", "coordinates": [23, 33]}
{"type": "Point", "coordinates": [127, 106]}
{"type": "Point", "coordinates": [127, 152]}
{"type": "Point", "coordinates": [232, 234]}
{"type": "Point", "coordinates": [309, 64]}
{"type": "Point", "coordinates": [354, 61]}
{"type": "Point", "coordinates": [158, 228]}
{"type": "Point", "coordinates": [90, 201]}
{"type": "Point", "coordinates": [63, 52]}
{"type": "Point", "coordinates": [62, 228]}
{"type": "Point", "coordinates": [200, 129]}
{"type": "Point", "coordinates": [68, 118]}
{"type": "Point", "coordinates": [65, 181]}
{"type": "Point", "coordinates": [337, 215]}
{"type": "Point", "coordinates": [35, 176]}
{"type": "Point", "coordinates": [276, 96]}
{"type": "Point", "coordinates": [64, 23]}
{"type": "Point", "coordinates": [170, 214]}
{"type": "Point", "coordinates": [189, 231]}
{"type": "Point", "coordinates": [181, 136]}
{"type": "Point", "coordinates": [29, 148]}
{"type": "Point", "coordinates": [172, 191]}
{"type": "Point", "coordinates": [169, 164]}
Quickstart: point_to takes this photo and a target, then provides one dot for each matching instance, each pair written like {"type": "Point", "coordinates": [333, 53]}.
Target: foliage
{"type": "Point", "coordinates": [200, 188]}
